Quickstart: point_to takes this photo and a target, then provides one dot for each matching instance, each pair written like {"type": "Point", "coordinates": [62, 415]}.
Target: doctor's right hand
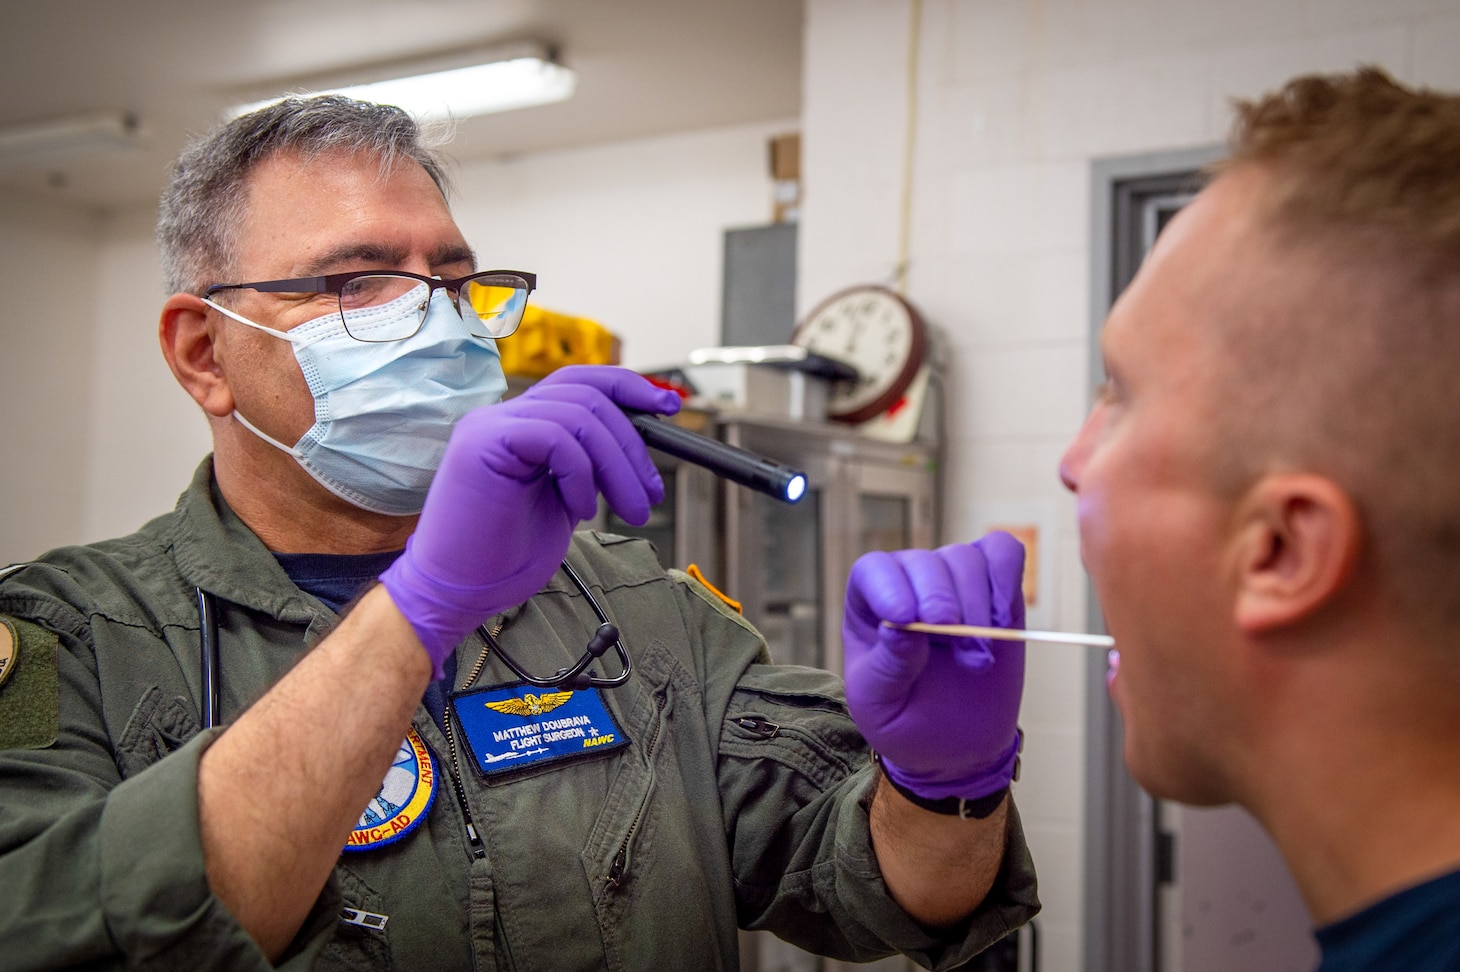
{"type": "Point", "coordinates": [516, 479]}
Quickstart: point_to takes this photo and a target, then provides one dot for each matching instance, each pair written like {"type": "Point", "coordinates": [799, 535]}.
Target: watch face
{"type": "Point", "coordinates": [878, 333]}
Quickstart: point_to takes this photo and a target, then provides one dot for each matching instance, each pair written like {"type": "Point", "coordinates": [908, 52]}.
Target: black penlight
{"type": "Point", "coordinates": [737, 465]}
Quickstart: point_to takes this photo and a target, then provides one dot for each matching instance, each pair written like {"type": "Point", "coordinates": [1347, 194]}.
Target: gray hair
{"type": "Point", "coordinates": [202, 207]}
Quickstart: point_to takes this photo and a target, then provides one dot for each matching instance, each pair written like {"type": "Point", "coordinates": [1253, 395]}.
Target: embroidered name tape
{"type": "Point", "coordinates": [512, 726]}
{"type": "Point", "coordinates": [405, 797]}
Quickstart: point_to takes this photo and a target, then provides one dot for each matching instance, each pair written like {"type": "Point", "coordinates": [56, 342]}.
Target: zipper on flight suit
{"type": "Point", "coordinates": [763, 728]}
{"type": "Point", "coordinates": [477, 849]}
{"type": "Point", "coordinates": [621, 859]}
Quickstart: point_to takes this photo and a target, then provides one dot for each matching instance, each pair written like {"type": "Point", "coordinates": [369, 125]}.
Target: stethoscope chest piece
{"type": "Point", "coordinates": [575, 676]}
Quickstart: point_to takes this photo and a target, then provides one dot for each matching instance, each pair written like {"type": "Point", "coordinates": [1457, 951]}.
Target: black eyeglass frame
{"type": "Point", "coordinates": [334, 283]}
{"type": "Point", "coordinates": [576, 675]}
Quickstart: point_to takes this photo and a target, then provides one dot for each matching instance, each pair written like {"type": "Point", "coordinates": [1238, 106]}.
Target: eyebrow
{"type": "Point", "coordinates": [383, 255]}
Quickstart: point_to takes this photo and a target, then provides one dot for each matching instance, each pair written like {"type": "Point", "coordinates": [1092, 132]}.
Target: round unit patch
{"type": "Point", "coordinates": [9, 649]}
{"type": "Point", "coordinates": [404, 798]}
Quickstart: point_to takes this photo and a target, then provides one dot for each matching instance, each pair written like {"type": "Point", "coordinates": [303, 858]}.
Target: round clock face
{"type": "Point", "coordinates": [878, 333]}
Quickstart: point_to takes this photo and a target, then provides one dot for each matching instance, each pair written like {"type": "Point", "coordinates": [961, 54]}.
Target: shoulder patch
{"type": "Point", "coordinates": [405, 797]}
{"type": "Point", "coordinates": [9, 649]}
{"type": "Point", "coordinates": [693, 570]}
{"type": "Point", "coordinates": [29, 685]}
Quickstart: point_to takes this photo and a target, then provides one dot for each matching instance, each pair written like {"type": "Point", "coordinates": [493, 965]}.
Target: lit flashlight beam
{"type": "Point", "coordinates": [1005, 634]}
{"type": "Point", "coordinates": [737, 465]}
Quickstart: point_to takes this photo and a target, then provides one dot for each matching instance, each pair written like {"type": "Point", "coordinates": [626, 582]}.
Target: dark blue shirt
{"type": "Point", "coordinates": [1416, 930]}
{"type": "Point", "coordinates": [337, 579]}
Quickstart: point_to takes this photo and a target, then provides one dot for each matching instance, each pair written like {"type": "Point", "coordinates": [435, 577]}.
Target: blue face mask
{"type": "Point", "coordinates": [383, 411]}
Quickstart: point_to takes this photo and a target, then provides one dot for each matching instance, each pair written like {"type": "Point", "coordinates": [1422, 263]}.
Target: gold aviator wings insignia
{"type": "Point", "coordinates": [529, 704]}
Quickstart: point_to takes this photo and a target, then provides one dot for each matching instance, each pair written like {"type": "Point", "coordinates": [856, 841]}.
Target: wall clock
{"type": "Point", "coordinates": [874, 330]}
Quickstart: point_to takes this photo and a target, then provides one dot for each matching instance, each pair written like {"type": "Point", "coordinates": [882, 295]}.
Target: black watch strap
{"type": "Point", "coordinates": [976, 809]}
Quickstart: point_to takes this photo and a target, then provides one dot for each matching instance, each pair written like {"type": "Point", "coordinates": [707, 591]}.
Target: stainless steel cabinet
{"type": "Point", "coordinates": [788, 564]}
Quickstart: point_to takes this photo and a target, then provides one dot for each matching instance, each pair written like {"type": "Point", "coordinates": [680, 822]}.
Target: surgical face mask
{"type": "Point", "coordinates": [383, 411]}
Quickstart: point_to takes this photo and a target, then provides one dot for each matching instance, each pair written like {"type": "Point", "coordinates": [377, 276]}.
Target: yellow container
{"type": "Point", "coordinates": [547, 340]}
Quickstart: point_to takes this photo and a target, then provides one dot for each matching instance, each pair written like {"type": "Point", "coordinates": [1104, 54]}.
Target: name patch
{"type": "Point", "coordinates": [404, 798]}
{"type": "Point", "coordinates": [508, 727]}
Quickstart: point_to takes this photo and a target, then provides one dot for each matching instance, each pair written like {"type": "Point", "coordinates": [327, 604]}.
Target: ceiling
{"type": "Point", "coordinates": [645, 67]}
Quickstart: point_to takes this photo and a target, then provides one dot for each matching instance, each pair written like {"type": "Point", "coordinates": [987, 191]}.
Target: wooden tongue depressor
{"type": "Point", "coordinates": [1005, 634]}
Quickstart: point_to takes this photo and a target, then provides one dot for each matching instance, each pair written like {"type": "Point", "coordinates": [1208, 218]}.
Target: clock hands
{"type": "Point", "coordinates": [880, 334]}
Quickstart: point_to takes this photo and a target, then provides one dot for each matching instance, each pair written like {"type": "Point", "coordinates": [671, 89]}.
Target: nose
{"type": "Point", "coordinates": [453, 296]}
{"type": "Point", "coordinates": [1067, 472]}
{"type": "Point", "coordinates": [1072, 463]}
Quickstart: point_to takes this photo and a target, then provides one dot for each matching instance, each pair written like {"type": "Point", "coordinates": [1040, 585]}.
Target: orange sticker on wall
{"type": "Point", "coordinates": [1028, 535]}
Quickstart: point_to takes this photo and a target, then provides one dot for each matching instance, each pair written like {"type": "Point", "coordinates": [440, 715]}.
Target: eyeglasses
{"type": "Point", "coordinates": [490, 303]}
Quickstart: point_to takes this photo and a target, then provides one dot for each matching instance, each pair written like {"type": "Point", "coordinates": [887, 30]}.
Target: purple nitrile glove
{"type": "Point", "coordinates": [516, 479]}
{"type": "Point", "coordinates": [941, 712]}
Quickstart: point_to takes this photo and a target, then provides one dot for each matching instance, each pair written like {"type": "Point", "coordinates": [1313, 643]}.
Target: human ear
{"type": "Point", "coordinates": [188, 339]}
{"type": "Point", "coordinates": [1297, 544]}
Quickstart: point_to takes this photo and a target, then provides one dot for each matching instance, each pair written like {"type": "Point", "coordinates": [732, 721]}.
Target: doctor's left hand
{"type": "Point", "coordinates": [941, 712]}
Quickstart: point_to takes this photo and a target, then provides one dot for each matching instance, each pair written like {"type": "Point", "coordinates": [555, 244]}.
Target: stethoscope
{"type": "Point", "coordinates": [575, 676]}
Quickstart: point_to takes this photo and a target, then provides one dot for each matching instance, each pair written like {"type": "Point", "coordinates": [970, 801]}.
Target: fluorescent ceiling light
{"type": "Point", "coordinates": [53, 139]}
{"type": "Point", "coordinates": [478, 90]}
{"type": "Point", "coordinates": [501, 80]}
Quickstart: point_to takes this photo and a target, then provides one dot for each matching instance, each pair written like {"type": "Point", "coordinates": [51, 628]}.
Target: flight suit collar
{"type": "Point", "coordinates": [217, 552]}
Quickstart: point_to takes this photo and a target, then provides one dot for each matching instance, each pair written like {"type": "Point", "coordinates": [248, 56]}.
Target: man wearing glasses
{"type": "Point", "coordinates": [171, 807]}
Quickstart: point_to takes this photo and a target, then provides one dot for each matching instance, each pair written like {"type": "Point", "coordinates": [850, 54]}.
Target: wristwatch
{"type": "Point", "coordinates": [975, 809]}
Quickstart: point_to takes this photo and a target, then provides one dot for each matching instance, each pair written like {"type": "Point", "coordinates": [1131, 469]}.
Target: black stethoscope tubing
{"type": "Point", "coordinates": [208, 650]}
{"type": "Point", "coordinates": [575, 676]}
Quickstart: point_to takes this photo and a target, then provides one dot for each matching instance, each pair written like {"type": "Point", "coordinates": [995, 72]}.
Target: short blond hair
{"type": "Point", "coordinates": [1359, 151]}
{"type": "Point", "coordinates": [1363, 174]}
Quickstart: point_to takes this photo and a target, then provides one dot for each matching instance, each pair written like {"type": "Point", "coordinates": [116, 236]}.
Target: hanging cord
{"type": "Point", "coordinates": [910, 137]}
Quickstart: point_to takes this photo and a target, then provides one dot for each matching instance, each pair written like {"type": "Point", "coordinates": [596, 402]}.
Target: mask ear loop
{"type": "Point", "coordinates": [574, 677]}
{"type": "Point", "coordinates": [289, 336]}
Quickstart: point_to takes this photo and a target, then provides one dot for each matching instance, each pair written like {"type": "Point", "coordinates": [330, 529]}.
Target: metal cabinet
{"type": "Point", "coordinates": [788, 564]}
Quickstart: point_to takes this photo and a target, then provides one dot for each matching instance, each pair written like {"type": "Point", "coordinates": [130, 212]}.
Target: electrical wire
{"type": "Point", "coordinates": [910, 137]}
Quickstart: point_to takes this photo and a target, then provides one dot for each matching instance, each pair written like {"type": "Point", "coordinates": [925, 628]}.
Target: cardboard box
{"type": "Point", "coordinates": [785, 159]}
